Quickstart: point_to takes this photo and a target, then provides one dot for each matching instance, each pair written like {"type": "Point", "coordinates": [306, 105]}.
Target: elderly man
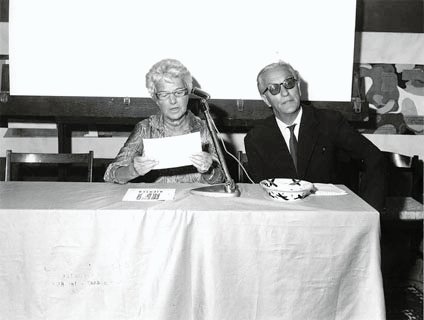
{"type": "Point", "coordinates": [302, 142]}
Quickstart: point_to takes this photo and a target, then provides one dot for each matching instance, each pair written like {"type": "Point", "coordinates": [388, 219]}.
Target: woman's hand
{"type": "Point", "coordinates": [202, 161]}
{"type": "Point", "coordinates": [143, 165]}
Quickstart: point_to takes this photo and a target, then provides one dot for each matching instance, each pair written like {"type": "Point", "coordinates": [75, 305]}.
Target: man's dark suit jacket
{"type": "Point", "coordinates": [322, 134]}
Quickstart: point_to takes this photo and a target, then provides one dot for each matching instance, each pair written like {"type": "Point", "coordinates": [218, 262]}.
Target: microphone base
{"type": "Point", "coordinates": [216, 191]}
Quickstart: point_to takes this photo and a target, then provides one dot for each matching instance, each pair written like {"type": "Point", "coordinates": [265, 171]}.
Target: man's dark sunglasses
{"type": "Point", "coordinates": [275, 88]}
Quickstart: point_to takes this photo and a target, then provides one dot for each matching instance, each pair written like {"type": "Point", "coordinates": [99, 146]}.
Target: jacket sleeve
{"type": "Point", "coordinates": [372, 186]}
{"type": "Point", "coordinates": [255, 163]}
{"type": "Point", "coordinates": [132, 147]}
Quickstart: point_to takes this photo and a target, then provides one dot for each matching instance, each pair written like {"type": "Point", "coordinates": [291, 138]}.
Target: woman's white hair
{"type": "Point", "coordinates": [272, 66]}
{"type": "Point", "coordinates": [167, 69]}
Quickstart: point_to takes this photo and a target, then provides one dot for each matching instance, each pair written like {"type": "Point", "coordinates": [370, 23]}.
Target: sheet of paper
{"type": "Point", "coordinates": [149, 194]}
{"type": "Point", "coordinates": [327, 189]}
{"type": "Point", "coordinates": [173, 152]}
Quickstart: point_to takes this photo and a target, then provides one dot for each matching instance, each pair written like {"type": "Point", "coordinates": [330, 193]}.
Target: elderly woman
{"type": "Point", "coordinates": [169, 84]}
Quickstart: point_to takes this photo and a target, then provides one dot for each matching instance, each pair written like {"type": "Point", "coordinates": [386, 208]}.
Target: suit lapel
{"type": "Point", "coordinates": [275, 138]}
{"type": "Point", "coordinates": [308, 135]}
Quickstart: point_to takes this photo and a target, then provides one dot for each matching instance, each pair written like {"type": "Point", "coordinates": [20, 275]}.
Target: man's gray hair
{"type": "Point", "coordinates": [272, 66]}
{"type": "Point", "coordinates": [167, 69]}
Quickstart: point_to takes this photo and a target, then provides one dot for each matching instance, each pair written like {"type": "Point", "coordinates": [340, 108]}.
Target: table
{"type": "Point", "coordinates": [76, 251]}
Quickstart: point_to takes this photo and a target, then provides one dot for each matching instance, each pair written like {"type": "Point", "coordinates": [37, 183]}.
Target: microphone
{"type": "Point", "coordinates": [200, 93]}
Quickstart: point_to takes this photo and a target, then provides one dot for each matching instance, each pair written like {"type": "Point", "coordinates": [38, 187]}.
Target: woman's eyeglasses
{"type": "Point", "coordinates": [162, 95]}
{"type": "Point", "coordinates": [275, 88]}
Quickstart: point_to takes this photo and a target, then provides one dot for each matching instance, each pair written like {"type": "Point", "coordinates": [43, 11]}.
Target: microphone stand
{"type": "Point", "coordinates": [228, 188]}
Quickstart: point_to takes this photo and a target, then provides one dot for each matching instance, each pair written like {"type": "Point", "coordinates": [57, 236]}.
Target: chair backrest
{"type": "Point", "coordinates": [49, 158]}
{"type": "Point", "coordinates": [404, 175]}
{"type": "Point", "coordinates": [399, 160]}
{"type": "Point", "coordinates": [242, 157]}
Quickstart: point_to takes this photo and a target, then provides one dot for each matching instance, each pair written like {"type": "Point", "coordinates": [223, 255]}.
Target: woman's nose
{"type": "Point", "coordinates": [172, 98]}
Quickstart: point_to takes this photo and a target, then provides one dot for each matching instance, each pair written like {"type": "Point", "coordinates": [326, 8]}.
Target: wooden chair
{"type": "Point", "coordinates": [404, 187]}
{"type": "Point", "coordinates": [49, 158]}
{"type": "Point", "coordinates": [402, 219]}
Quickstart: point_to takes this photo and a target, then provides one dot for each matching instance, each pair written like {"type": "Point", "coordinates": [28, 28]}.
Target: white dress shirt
{"type": "Point", "coordinates": [285, 131]}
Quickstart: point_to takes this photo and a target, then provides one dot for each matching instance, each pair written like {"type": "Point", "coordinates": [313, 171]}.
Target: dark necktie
{"type": "Point", "coordinates": [293, 145]}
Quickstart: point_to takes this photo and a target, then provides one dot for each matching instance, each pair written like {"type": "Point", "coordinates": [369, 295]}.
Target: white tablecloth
{"type": "Point", "coordinates": [76, 251]}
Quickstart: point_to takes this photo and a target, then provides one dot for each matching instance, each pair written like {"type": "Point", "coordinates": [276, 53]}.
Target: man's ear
{"type": "Point", "coordinates": [265, 99]}
{"type": "Point", "coordinates": [298, 87]}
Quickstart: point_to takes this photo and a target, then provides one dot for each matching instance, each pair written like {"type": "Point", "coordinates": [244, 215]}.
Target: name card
{"type": "Point", "coordinates": [143, 194]}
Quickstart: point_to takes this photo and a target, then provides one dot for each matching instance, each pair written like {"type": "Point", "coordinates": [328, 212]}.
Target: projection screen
{"type": "Point", "coordinates": [104, 48]}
